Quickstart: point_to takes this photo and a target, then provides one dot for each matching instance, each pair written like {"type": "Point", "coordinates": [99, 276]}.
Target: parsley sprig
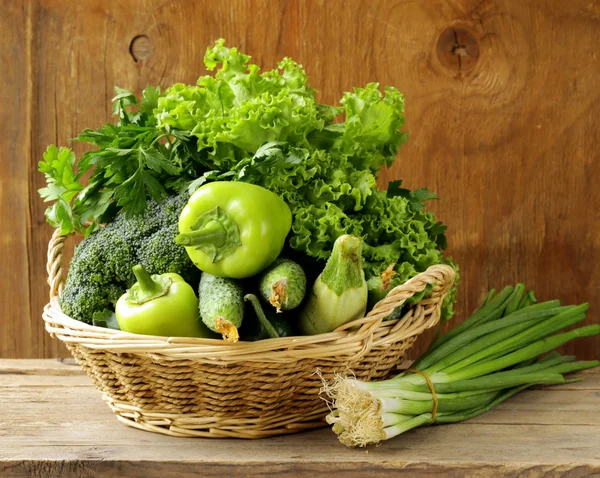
{"type": "Point", "coordinates": [134, 161]}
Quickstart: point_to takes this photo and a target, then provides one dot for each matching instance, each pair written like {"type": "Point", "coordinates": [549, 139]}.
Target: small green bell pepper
{"type": "Point", "coordinates": [234, 229]}
{"type": "Point", "coordinates": [162, 305]}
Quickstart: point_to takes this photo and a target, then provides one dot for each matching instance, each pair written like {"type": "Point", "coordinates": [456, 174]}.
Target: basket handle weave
{"type": "Point", "coordinates": [54, 266]}
{"type": "Point", "coordinates": [441, 275]}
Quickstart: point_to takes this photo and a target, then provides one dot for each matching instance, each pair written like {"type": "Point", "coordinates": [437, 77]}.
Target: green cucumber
{"type": "Point", "coordinates": [221, 305]}
{"type": "Point", "coordinates": [381, 284]}
{"type": "Point", "coordinates": [283, 284]}
{"type": "Point", "coordinates": [377, 291]}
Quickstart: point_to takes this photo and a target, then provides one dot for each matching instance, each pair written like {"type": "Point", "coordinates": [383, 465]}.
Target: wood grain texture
{"type": "Point", "coordinates": [503, 123]}
{"type": "Point", "coordinates": [55, 424]}
{"type": "Point", "coordinates": [14, 187]}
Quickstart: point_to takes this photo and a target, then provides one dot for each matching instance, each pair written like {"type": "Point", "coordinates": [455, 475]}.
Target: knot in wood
{"type": "Point", "coordinates": [140, 48]}
{"type": "Point", "coordinates": [458, 49]}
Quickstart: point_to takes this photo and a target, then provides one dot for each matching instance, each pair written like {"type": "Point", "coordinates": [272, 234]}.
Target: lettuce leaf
{"type": "Point", "coordinates": [241, 107]}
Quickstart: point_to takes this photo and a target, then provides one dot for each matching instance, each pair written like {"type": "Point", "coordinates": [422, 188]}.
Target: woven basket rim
{"type": "Point", "coordinates": [350, 341]}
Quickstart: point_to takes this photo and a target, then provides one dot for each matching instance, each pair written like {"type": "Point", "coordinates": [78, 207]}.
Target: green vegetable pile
{"type": "Point", "coordinates": [483, 361]}
{"type": "Point", "coordinates": [267, 129]}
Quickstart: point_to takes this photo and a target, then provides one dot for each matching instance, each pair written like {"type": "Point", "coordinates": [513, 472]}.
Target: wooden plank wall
{"type": "Point", "coordinates": [502, 112]}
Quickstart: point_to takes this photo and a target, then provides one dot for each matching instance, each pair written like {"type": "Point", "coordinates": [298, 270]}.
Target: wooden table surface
{"type": "Point", "coordinates": [53, 422]}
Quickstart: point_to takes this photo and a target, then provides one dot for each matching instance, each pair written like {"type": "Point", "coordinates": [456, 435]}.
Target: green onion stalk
{"type": "Point", "coordinates": [505, 346]}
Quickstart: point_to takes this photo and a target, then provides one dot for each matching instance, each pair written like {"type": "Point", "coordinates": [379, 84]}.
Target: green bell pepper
{"type": "Point", "coordinates": [234, 229]}
{"type": "Point", "coordinates": [162, 305]}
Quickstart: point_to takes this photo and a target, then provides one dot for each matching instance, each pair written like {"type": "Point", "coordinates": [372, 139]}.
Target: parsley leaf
{"type": "Point", "coordinates": [438, 231]}
{"type": "Point", "coordinates": [416, 198]}
{"type": "Point", "coordinates": [157, 162]}
{"type": "Point", "coordinates": [150, 97]}
{"type": "Point", "coordinates": [63, 185]}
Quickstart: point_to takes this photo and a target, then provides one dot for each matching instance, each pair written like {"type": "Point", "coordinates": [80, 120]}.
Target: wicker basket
{"type": "Point", "coordinates": [208, 388]}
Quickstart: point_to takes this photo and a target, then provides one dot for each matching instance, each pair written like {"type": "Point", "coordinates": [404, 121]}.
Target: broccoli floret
{"type": "Point", "coordinates": [160, 254]}
{"type": "Point", "coordinates": [105, 257]}
{"type": "Point", "coordinates": [172, 207]}
{"type": "Point", "coordinates": [101, 268]}
{"type": "Point", "coordinates": [80, 300]}
{"type": "Point", "coordinates": [135, 229]}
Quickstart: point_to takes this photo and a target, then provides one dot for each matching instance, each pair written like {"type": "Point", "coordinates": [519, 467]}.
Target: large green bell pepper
{"type": "Point", "coordinates": [163, 305]}
{"type": "Point", "coordinates": [234, 229]}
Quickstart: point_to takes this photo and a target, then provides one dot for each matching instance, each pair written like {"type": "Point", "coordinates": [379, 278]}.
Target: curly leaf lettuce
{"type": "Point", "coordinates": [242, 108]}
{"type": "Point", "coordinates": [371, 135]}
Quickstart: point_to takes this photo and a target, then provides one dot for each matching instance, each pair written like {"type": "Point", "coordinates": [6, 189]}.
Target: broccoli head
{"type": "Point", "coordinates": [101, 268]}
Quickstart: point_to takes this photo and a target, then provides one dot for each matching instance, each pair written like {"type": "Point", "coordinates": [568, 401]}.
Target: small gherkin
{"type": "Point", "coordinates": [283, 284]}
{"type": "Point", "coordinates": [221, 305]}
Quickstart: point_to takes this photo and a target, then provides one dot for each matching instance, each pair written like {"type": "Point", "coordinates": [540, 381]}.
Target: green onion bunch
{"type": "Point", "coordinates": [504, 347]}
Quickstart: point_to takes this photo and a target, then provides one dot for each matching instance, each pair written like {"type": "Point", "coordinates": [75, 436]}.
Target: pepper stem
{"type": "Point", "coordinates": [147, 287]}
{"type": "Point", "coordinates": [214, 232]}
